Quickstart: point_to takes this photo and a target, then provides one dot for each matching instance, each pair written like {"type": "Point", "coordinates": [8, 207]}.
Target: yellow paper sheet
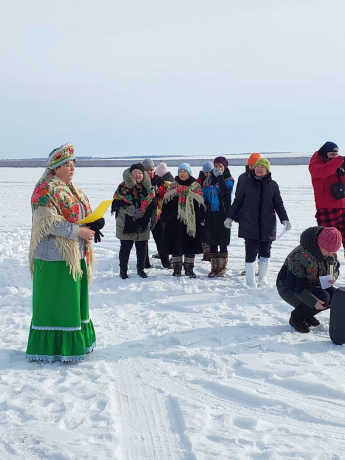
{"type": "Point", "coordinates": [97, 213]}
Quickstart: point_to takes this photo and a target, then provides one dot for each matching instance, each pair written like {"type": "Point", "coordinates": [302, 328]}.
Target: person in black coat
{"type": "Point", "coordinates": [161, 181]}
{"type": "Point", "coordinates": [158, 183]}
{"type": "Point", "coordinates": [252, 159]}
{"type": "Point", "coordinates": [204, 179]}
{"type": "Point", "coordinates": [182, 212]}
{"type": "Point", "coordinates": [217, 196]}
{"type": "Point", "coordinates": [255, 206]}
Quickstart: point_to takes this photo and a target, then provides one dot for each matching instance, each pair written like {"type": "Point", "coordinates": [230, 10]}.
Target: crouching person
{"type": "Point", "coordinates": [298, 281]}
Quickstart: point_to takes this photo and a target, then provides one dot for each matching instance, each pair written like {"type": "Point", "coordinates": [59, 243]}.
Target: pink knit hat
{"type": "Point", "coordinates": [329, 239]}
{"type": "Point", "coordinates": [161, 169]}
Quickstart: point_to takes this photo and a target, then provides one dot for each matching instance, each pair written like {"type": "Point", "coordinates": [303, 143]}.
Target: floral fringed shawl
{"type": "Point", "coordinates": [54, 201]}
{"type": "Point", "coordinates": [141, 196]}
{"type": "Point", "coordinates": [185, 209]}
{"type": "Point", "coordinates": [135, 196]}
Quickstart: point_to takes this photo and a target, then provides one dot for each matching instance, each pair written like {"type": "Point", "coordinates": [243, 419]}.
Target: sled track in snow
{"type": "Point", "coordinates": [150, 425]}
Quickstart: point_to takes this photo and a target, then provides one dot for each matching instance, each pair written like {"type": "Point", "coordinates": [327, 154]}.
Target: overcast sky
{"type": "Point", "coordinates": [157, 77]}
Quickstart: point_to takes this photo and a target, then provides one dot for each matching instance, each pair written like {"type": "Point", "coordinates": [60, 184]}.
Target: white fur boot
{"type": "Point", "coordinates": [263, 268]}
{"type": "Point", "coordinates": [250, 274]}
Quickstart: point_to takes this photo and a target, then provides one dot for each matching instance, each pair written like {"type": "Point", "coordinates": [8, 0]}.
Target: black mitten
{"type": "Point", "coordinates": [340, 171]}
{"type": "Point", "coordinates": [96, 226]}
{"type": "Point", "coordinates": [99, 223]}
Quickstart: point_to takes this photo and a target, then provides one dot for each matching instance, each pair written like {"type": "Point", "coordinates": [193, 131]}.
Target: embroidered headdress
{"type": "Point", "coordinates": [61, 155]}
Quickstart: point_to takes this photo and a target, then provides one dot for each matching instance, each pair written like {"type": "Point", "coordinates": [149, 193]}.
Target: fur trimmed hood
{"type": "Point", "coordinates": [130, 182]}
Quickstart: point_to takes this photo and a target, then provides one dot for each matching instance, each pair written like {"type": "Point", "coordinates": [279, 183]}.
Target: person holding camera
{"type": "Point", "coordinates": [327, 170]}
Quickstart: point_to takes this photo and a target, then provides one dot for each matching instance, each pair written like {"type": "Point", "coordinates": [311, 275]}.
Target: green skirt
{"type": "Point", "coordinates": [61, 329]}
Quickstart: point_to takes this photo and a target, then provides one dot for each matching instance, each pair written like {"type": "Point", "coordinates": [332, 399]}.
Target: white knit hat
{"type": "Point", "coordinates": [161, 169]}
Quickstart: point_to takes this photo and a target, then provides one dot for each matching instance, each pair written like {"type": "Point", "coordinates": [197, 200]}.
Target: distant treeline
{"type": "Point", "coordinates": [125, 162]}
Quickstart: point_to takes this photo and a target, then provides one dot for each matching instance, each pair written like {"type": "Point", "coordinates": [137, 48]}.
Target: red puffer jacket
{"type": "Point", "coordinates": [323, 175]}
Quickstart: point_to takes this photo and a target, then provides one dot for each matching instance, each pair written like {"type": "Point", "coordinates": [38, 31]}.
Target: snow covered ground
{"type": "Point", "coordinates": [183, 369]}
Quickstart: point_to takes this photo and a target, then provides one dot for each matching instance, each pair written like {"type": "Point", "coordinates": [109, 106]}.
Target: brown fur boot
{"type": "Point", "coordinates": [177, 266]}
{"type": "Point", "coordinates": [214, 265]}
{"type": "Point", "coordinates": [188, 267]}
{"type": "Point", "coordinates": [206, 253]}
{"type": "Point", "coordinates": [222, 263]}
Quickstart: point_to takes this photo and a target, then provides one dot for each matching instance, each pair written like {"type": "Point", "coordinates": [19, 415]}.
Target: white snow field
{"type": "Point", "coordinates": [183, 369]}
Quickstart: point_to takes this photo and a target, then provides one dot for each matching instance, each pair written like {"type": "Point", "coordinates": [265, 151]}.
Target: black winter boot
{"type": "Point", "coordinates": [123, 272]}
{"type": "Point", "coordinates": [142, 258]}
{"type": "Point", "coordinates": [302, 327]}
{"type": "Point", "coordinates": [147, 260]}
{"type": "Point", "coordinates": [188, 267]}
{"type": "Point", "coordinates": [165, 260]}
{"type": "Point", "coordinates": [177, 266]}
{"type": "Point", "coordinates": [312, 321]}
{"type": "Point", "coordinates": [141, 272]}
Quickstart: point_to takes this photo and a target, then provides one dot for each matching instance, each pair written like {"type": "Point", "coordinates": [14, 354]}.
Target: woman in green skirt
{"type": "Point", "coordinates": [61, 262]}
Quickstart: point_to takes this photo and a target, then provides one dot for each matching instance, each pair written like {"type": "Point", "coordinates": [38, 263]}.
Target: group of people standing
{"type": "Point", "coordinates": [186, 216]}
{"type": "Point", "coordinates": [189, 216]}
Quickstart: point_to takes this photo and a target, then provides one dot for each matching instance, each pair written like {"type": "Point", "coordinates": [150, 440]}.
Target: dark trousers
{"type": "Point", "coordinates": [125, 249]}
{"type": "Point", "coordinates": [180, 253]}
{"type": "Point", "coordinates": [256, 248]}
{"type": "Point", "coordinates": [157, 234]}
{"type": "Point", "coordinates": [301, 311]}
{"type": "Point", "coordinates": [214, 249]}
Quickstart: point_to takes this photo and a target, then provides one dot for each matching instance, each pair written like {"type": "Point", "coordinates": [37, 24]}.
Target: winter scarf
{"type": "Point", "coordinates": [141, 196]}
{"type": "Point", "coordinates": [211, 192]}
{"type": "Point", "coordinates": [186, 191]}
{"type": "Point", "coordinates": [54, 201]}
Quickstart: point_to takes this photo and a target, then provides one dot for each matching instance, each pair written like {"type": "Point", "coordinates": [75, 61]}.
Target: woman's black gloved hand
{"type": "Point", "coordinates": [96, 227]}
{"type": "Point", "coordinates": [341, 170]}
